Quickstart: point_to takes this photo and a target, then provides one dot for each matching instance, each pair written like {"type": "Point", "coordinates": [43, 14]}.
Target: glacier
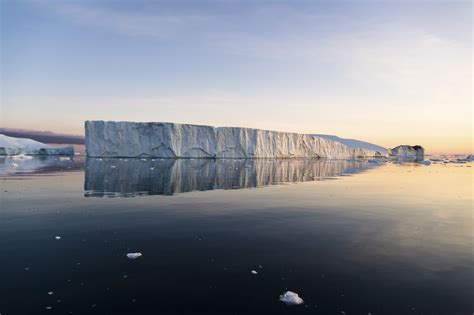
{"type": "Point", "coordinates": [18, 146]}
{"type": "Point", "coordinates": [172, 140]}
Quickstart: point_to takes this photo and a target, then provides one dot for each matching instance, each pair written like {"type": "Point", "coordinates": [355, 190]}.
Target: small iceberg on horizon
{"type": "Point", "coordinates": [25, 146]}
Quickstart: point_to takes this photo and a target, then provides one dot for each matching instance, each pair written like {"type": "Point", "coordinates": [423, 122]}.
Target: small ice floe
{"type": "Point", "coordinates": [134, 255]}
{"type": "Point", "coordinates": [50, 293]}
{"type": "Point", "coordinates": [22, 157]}
{"type": "Point", "coordinates": [253, 272]}
{"type": "Point", "coordinates": [57, 237]}
{"type": "Point", "coordinates": [49, 307]}
{"type": "Point", "coordinates": [113, 166]}
{"type": "Point", "coordinates": [291, 298]}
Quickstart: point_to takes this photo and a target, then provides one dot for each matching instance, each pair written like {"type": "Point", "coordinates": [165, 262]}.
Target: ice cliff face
{"type": "Point", "coordinates": [169, 140]}
{"type": "Point", "coordinates": [17, 146]}
{"type": "Point", "coordinates": [408, 151]}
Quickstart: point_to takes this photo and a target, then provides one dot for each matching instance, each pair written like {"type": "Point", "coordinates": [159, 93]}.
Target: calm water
{"type": "Point", "coordinates": [350, 237]}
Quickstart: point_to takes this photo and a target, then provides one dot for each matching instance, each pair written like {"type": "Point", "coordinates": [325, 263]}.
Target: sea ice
{"type": "Point", "coordinates": [254, 272]}
{"type": "Point", "coordinates": [134, 255]}
{"type": "Point", "coordinates": [291, 298]}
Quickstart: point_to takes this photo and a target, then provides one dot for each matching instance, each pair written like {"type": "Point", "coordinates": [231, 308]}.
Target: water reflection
{"type": "Point", "coordinates": [29, 165]}
{"type": "Point", "coordinates": [135, 177]}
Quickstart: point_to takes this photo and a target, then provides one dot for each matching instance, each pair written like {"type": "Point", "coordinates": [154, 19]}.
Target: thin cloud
{"type": "Point", "coordinates": [127, 23]}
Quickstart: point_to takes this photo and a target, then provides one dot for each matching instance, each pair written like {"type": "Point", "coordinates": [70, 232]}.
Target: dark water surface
{"type": "Point", "coordinates": [350, 237]}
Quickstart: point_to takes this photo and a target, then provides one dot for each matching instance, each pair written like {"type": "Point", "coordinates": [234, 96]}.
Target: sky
{"type": "Point", "coordinates": [387, 72]}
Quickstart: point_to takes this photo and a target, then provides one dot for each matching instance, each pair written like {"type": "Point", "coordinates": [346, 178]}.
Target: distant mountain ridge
{"type": "Point", "coordinates": [353, 143]}
{"type": "Point", "coordinates": [43, 136]}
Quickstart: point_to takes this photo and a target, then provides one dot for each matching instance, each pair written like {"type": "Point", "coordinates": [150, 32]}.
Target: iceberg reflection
{"type": "Point", "coordinates": [135, 177]}
{"type": "Point", "coordinates": [29, 165]}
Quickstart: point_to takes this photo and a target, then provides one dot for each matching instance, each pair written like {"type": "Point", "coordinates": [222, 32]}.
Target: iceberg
{"type": "Point", "coordinates": [170, 140]}
{"type": "Point", "coordinates": [407, 151]}
{"type": "Point", "coordinates": [24, 146]}
{"type": "Point", "coordinates": [354, 144]}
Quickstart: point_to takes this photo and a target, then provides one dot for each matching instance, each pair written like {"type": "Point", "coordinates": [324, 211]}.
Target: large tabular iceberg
{"type": "Point", "coordinates": [17, 146]}
{"type": "Point", "coordinates": [170, 140]}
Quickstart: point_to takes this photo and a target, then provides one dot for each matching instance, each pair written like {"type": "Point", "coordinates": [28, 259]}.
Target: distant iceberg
{"type": "Point", "coordinates": [24, 146]}
{"type": "Point", "coordinates": [408, 152]}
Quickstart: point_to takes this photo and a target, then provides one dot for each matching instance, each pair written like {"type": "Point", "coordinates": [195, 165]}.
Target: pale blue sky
{"type": "Point", "coordinates": [388, 72]}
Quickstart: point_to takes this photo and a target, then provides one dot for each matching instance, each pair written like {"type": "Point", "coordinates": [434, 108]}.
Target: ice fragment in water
{"type": "Point", "coordinates": [291, 298]}
{"type": "Point", "coordinates": [50, 293]}
{"type": "Point", "coordinates": [254, 272]}
{"type": "Point", "coordinates": [134, 255]}
{"type": "Point", "coordinates": [57, 237]}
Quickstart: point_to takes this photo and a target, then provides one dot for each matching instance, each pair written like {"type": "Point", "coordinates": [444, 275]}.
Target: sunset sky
{"type": "Point", "coordinates": [394, 72]}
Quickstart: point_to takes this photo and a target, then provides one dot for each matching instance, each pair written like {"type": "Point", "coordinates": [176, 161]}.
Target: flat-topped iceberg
{"type": "Point", "coordinates": [17, 146]}
{"type": "Point", "coordinates": [170, 140]}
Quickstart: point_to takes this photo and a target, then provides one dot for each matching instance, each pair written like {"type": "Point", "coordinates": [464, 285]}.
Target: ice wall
{"type": "Point", "coordinates": [169, 140]}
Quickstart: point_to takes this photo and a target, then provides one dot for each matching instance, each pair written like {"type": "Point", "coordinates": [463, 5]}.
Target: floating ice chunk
{"type": "Point", "coordinates": [57, 237]}
{"type": "Point", "coordinates": [49, 307]}
{"type": "Point", "coordinates": [291, 298]}
{"type": "Point", "coordinates": [113, 166]}
{"type": "Point", "coordinates": [254, 272]}
{"type": "Point", "coordinates": [134, 255]}
{"type": "Point", "coordinates": [50, 293]}
{"type": "Point", "coordinates": [22, 157]}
